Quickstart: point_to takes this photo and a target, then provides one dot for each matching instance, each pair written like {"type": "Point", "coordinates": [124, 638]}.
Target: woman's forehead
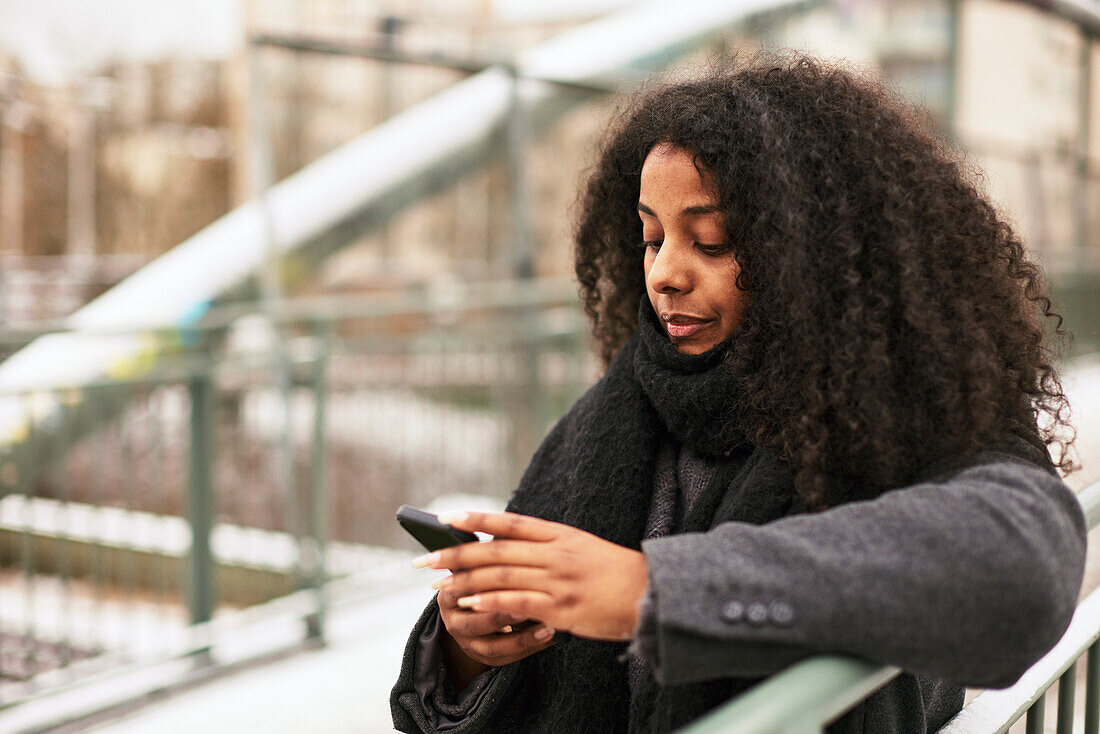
{"type": "Point", "coordinates": [671, 175]}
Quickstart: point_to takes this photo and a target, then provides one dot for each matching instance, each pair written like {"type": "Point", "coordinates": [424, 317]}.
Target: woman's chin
{"type": "Point", "coordinates": [690, 346]}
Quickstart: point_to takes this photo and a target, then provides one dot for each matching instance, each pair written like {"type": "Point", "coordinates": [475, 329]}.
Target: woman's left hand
{"type": "Point", "coordinates": [569, 579]}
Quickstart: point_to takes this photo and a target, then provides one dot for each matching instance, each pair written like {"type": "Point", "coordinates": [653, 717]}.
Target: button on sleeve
{"type": "Point", "coordinates": [757, 614]}
{"type": "Point", "coordinates": [733, 612]}
{"type": "Point", "coordinates": [781, 613]}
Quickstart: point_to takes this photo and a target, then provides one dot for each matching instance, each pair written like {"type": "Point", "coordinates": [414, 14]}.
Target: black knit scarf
{"type": "Point", "coordinates": [595, 471]}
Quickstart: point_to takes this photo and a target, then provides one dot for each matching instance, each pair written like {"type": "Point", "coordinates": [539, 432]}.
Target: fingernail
{"type": "Point", "coordinates": [440, 583]}
{"type": "Point", "coordinates": [425, 560]}
{"type": "Point", "coordinates": [544, 633]}
{"type": "Point", "coordinates": [469, 601]}
{"type": "Point", "coordinates": [450, 518]}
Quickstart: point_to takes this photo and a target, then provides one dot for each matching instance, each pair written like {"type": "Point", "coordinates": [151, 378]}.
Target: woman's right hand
{"type": "Point", "coordinates": [478, 640]}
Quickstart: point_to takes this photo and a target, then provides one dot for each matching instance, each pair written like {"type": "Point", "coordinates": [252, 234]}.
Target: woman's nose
{"type": "Point", "coordinates": [671, 269]}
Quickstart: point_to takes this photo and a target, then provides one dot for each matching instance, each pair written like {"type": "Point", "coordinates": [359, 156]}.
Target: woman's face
{"type": "Point", "coordinates": [690, 271]}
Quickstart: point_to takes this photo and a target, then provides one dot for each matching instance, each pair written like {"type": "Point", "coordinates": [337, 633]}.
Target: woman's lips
{"type": "Point", "coordinates": [681, 326]}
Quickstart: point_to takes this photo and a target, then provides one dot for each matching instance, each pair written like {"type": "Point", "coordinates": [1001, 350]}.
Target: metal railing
{"type": "Point", "coordinates": [215, 489]}
{"type": "Point", "coordinates": [808, 696]}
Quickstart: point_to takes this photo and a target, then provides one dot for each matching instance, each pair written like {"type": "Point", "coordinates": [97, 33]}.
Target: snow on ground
{"type": "Point", "coordinates": [339, 689]}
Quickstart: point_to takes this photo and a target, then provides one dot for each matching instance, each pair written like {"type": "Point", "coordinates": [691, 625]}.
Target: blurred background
{"type": "Point", "coordinates": [269, 269]}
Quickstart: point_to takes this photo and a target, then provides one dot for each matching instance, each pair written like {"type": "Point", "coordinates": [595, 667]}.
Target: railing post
{"type": "Point", "coordinates": [200, 590]}
{"type": "Point", "coordinates": [313, 561]}
{"type": "Point", "coordinates": [1036, 715]}
{"type": "Point", "coordinates": [28, 552]}
{"type": "Point", "coordinates": [1092, 690]}
{"type": "Point", "coordinates": [528, 420]}
{"type": "Point", "coordinates": [1067, 685]}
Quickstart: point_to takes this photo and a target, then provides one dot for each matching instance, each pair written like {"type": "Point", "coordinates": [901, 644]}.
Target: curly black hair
{"type": "Point", "coordinates": [896, 321]}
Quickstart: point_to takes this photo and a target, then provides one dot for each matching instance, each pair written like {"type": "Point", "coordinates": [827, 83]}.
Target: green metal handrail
{"type": "Point", "coordinates": [424, 301]}
{"type": "Point", "coordinates": [808, 696]}
{"type": "Point", "coordinates": [799, 700]}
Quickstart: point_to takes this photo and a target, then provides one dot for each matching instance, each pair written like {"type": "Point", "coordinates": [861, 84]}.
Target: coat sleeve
{"type": "Point", "coordinates": [421, 702]}
{"type": "Point", "coordinates": [968, 578]}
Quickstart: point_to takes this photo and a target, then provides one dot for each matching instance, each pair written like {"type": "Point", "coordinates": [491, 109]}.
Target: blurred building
{"type": "Point", "coordinates": [123, 152]}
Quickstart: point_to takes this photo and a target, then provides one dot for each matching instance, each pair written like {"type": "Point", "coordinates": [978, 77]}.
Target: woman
{"type": "Point", "coordinates": [818, 433]}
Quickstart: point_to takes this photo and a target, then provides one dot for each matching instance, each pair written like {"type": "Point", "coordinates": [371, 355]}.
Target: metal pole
{"type": "Point", "coordinates": [523, 267]}
{"type": "Point", "coordinates": [201, 590]}
{"type": "Point", "coordinates": [518, 140]}
{"type": "Point", "coordinates": [1067, 685]}
{"type": "Point", "coordinates": [951, 104]}
{"type": "Point", "coordinates": [314, 562]}
{"type": "Point", "coordinates": [387, 101]}
{"type": "Point", "coordinates": [1084, 111]}
{"type": "Point", "coordinates": [271, 294]}
{"type": "Point", "coordinates": [1092, 690]}
{"type": "Point", "coordinates": [28, 554]}
{"type": "Point", "coordinates": [262, 175]}
{"type": "Point", "coordinates": [81, 199]}
{"type": "Point", "coordinates": [1036, 715]}
{"type": "Point", "coordinates": [383, 51]}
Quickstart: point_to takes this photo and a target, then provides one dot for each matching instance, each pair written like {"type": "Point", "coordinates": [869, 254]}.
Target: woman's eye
{"type": "Point", "coordinates": [655, 244]}
{"type": "Point", "coordinates": [719, 249]}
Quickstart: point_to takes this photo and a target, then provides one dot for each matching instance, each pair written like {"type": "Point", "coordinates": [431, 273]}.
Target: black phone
{"type": "Point", "coordinates": [432, 534]}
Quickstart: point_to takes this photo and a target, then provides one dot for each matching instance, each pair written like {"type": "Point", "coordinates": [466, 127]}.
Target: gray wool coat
{"type": "Point", "coordinates": [969, 577]}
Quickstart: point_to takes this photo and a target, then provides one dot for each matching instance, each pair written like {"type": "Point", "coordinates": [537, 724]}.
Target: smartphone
{"type": "Point", "coordinates": [432, 534]}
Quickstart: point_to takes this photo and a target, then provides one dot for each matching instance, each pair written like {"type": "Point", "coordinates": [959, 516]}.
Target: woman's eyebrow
{"type": "Point", "coordinates": [700, 209]}
{"type": "Point", "coordinates": [690, 210]}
